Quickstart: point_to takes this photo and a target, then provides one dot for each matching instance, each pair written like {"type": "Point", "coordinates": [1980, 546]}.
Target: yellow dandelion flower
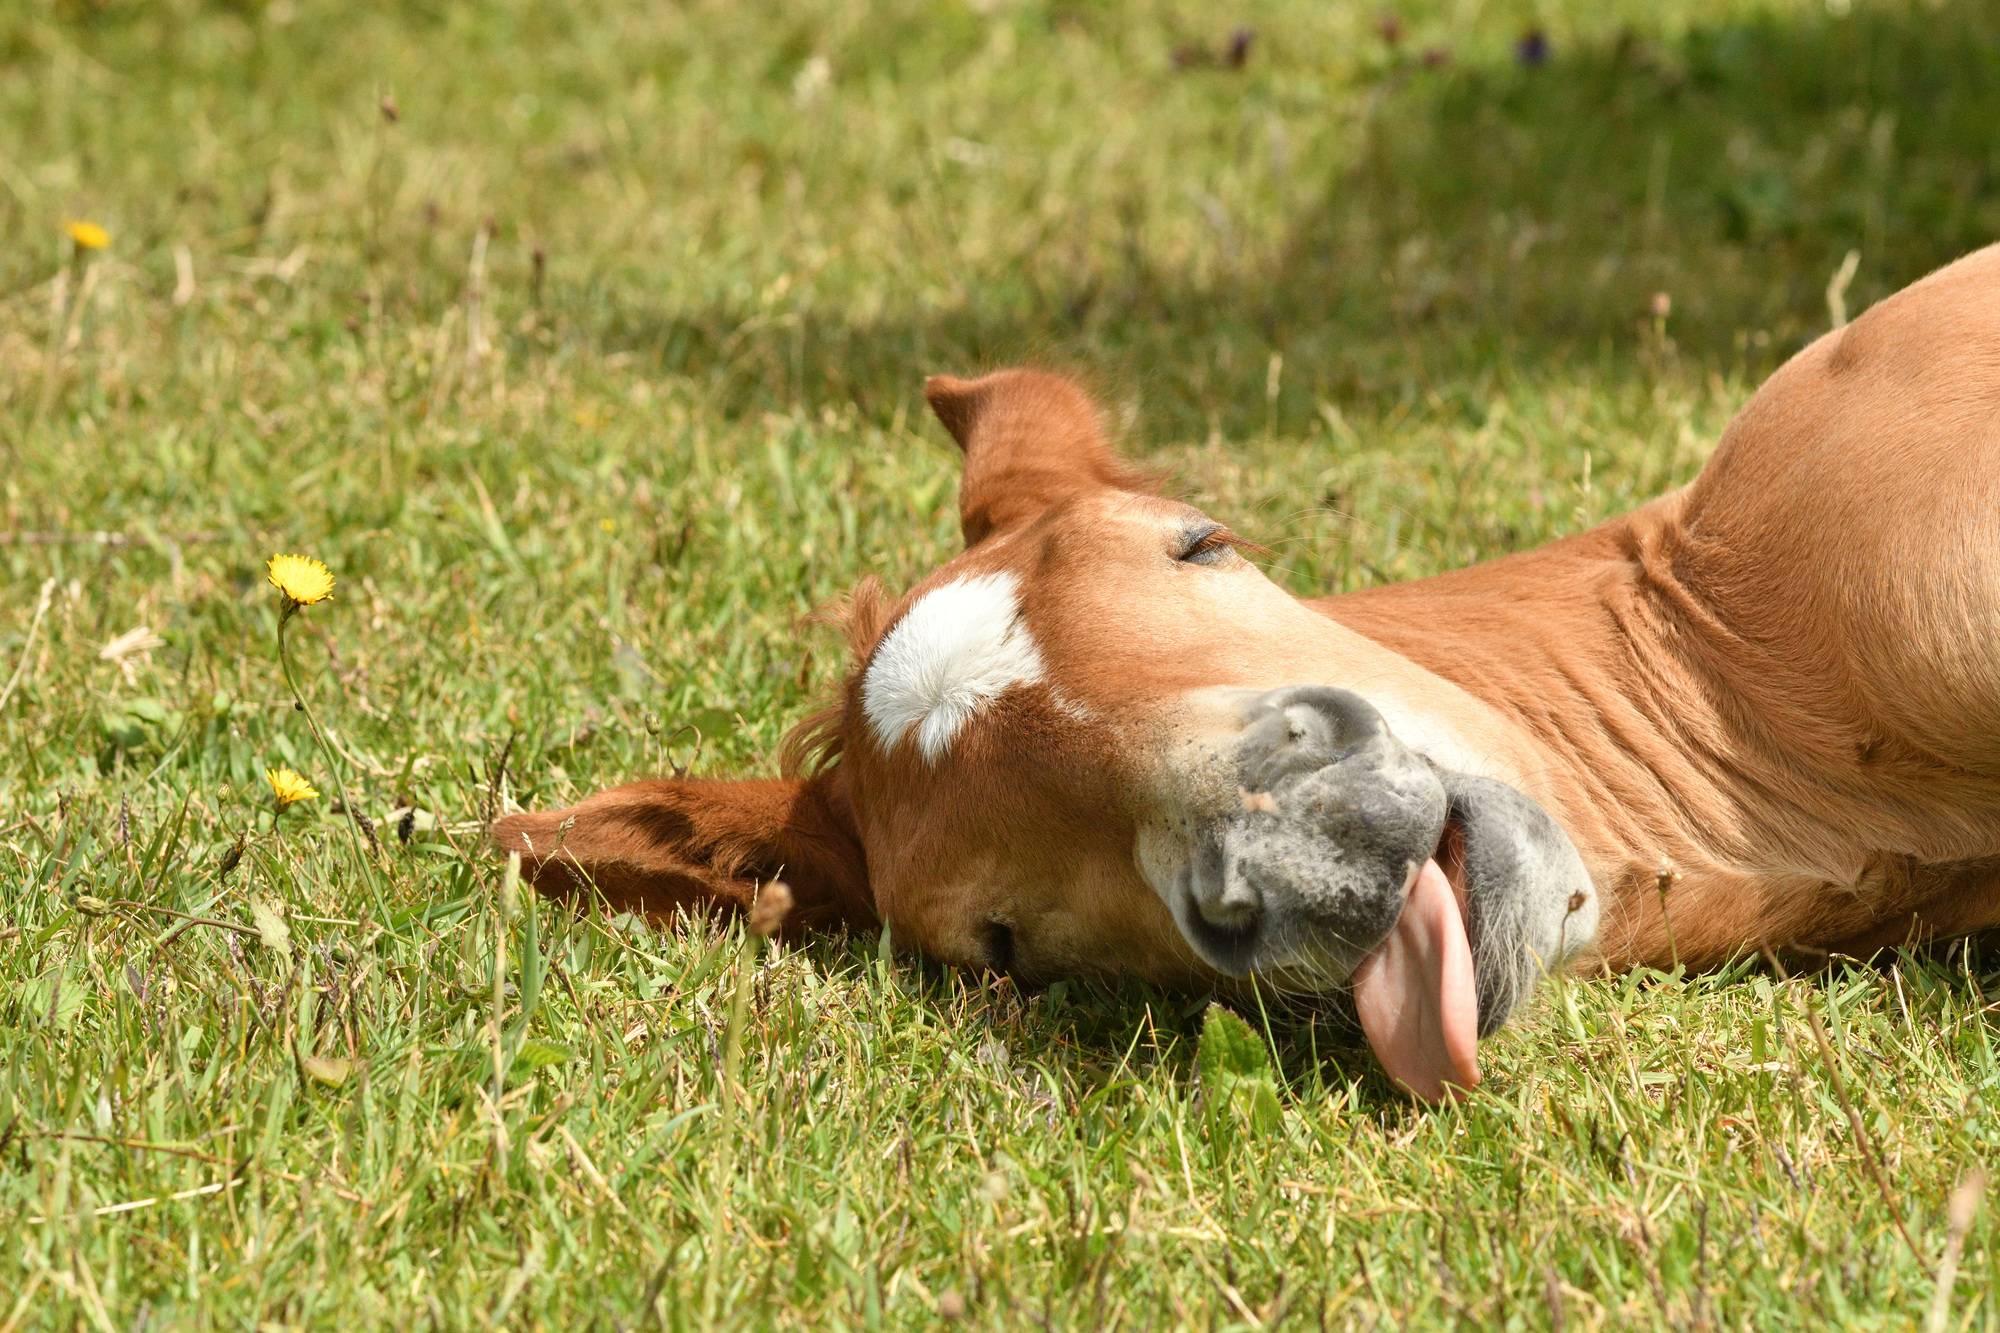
{"type": "Point", "coordinates": [302, 579]}
{"type": "Point", "coordinates": [607, 524]}
{"type": "Point", "coordinates": [289, 787]}
{"type": "Point", "coordinates": [87, 235]}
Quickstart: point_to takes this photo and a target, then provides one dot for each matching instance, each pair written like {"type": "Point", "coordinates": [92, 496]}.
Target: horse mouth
{"type": "Point", "coordinates": [1350, 860]}
{"type": "Point", "coordinates": [1416, 993]}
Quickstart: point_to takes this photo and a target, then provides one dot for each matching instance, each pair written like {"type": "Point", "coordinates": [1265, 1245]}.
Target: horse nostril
{"type": "Point", "coordinates": [1235, 908]}
{"type": "Point", "coordinates": [1322, 713]}
{"type": "Point", "coordinates": [1303, 728]}
{"type": "Point", "coordinates": [1221, 911]}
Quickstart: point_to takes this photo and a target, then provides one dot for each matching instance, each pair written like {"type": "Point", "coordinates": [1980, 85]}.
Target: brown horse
{"type": "Point", "coordinates": [1101, 741]}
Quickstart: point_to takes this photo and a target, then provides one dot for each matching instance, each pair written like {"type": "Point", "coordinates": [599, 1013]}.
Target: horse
{"type": "Point", "coordinates": [1759, 712]}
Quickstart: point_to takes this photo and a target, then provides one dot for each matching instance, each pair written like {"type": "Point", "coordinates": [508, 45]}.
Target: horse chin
{"type": "Point", "coordinates": [1530, 906]}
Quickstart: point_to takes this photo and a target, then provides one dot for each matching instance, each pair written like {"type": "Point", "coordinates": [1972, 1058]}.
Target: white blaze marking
{"type": "Point", "coordinates": [959, 648]}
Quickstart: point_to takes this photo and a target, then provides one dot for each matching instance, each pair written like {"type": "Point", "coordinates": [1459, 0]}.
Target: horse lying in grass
{"type": "Point", "coordinates": [1100, 741]}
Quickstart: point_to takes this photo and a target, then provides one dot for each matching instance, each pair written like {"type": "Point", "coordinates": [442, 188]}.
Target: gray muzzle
{"type": "Point", "coordinates": [1337, 815]}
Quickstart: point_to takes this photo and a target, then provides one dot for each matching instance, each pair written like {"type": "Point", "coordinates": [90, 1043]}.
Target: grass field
{"type": "Point", "coordinates": [583, 342]}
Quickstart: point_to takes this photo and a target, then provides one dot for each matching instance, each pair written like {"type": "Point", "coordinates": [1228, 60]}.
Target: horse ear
{"type": "Point", "coordinates": [697, 846]}
{"type": "Point", "coordinates": [1031, 439]}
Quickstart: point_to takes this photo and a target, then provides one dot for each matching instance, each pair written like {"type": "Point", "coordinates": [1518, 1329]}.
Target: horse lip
{"type": "Point", "coordinates": [1450, 855]}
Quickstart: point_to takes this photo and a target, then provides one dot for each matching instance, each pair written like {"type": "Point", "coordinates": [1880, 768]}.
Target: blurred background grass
{"type": "Point", "coordinates": [584, 343]}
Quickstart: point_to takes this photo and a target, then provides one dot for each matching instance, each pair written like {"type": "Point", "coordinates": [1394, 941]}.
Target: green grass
{"type": "Point", "coordinates": [1385, 316]}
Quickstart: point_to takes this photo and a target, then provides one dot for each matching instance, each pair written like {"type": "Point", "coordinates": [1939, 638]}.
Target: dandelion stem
{"type": "Point", "coordinates": [369, 870]}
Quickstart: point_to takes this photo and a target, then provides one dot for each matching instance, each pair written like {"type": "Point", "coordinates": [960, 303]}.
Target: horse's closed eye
{"type": "Point", "coordinates": [1208, 545]}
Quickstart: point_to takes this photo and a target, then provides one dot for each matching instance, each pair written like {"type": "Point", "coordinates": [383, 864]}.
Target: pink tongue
{"type": "Point", "coordinates": [1415, 994]}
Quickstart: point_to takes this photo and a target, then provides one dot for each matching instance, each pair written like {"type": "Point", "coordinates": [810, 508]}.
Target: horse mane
{"type": "Point", "coordinates": [814, 744]}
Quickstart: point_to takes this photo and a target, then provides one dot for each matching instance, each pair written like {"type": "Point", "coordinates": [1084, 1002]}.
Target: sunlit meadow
{"type": "Point", "coordinates": [582, 344]}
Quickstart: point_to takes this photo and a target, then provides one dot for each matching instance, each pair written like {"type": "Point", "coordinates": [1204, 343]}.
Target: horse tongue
{"type": "Point", "coordinates": [1416, 995]}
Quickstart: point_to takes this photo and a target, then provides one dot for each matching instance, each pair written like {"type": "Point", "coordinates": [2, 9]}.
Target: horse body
{"type": "Point", "coordinates": [1772, 698]}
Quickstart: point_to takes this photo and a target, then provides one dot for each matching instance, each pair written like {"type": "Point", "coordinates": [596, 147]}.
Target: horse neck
{"type": "Point", "coordinates": [1649, 752]}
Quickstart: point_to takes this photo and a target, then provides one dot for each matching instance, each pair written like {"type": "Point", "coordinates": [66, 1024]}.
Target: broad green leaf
{"type": "Point", "coordinates": [321, 1069]}
{"type": "Point", "coordinates": [538, 1054]}
{"type": "Point", "coordinates": [271, 928]}
{"type": "Point", "coordinates": [1236, 1071]}
{"type": "Point", "coordinates": [53, 999]}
